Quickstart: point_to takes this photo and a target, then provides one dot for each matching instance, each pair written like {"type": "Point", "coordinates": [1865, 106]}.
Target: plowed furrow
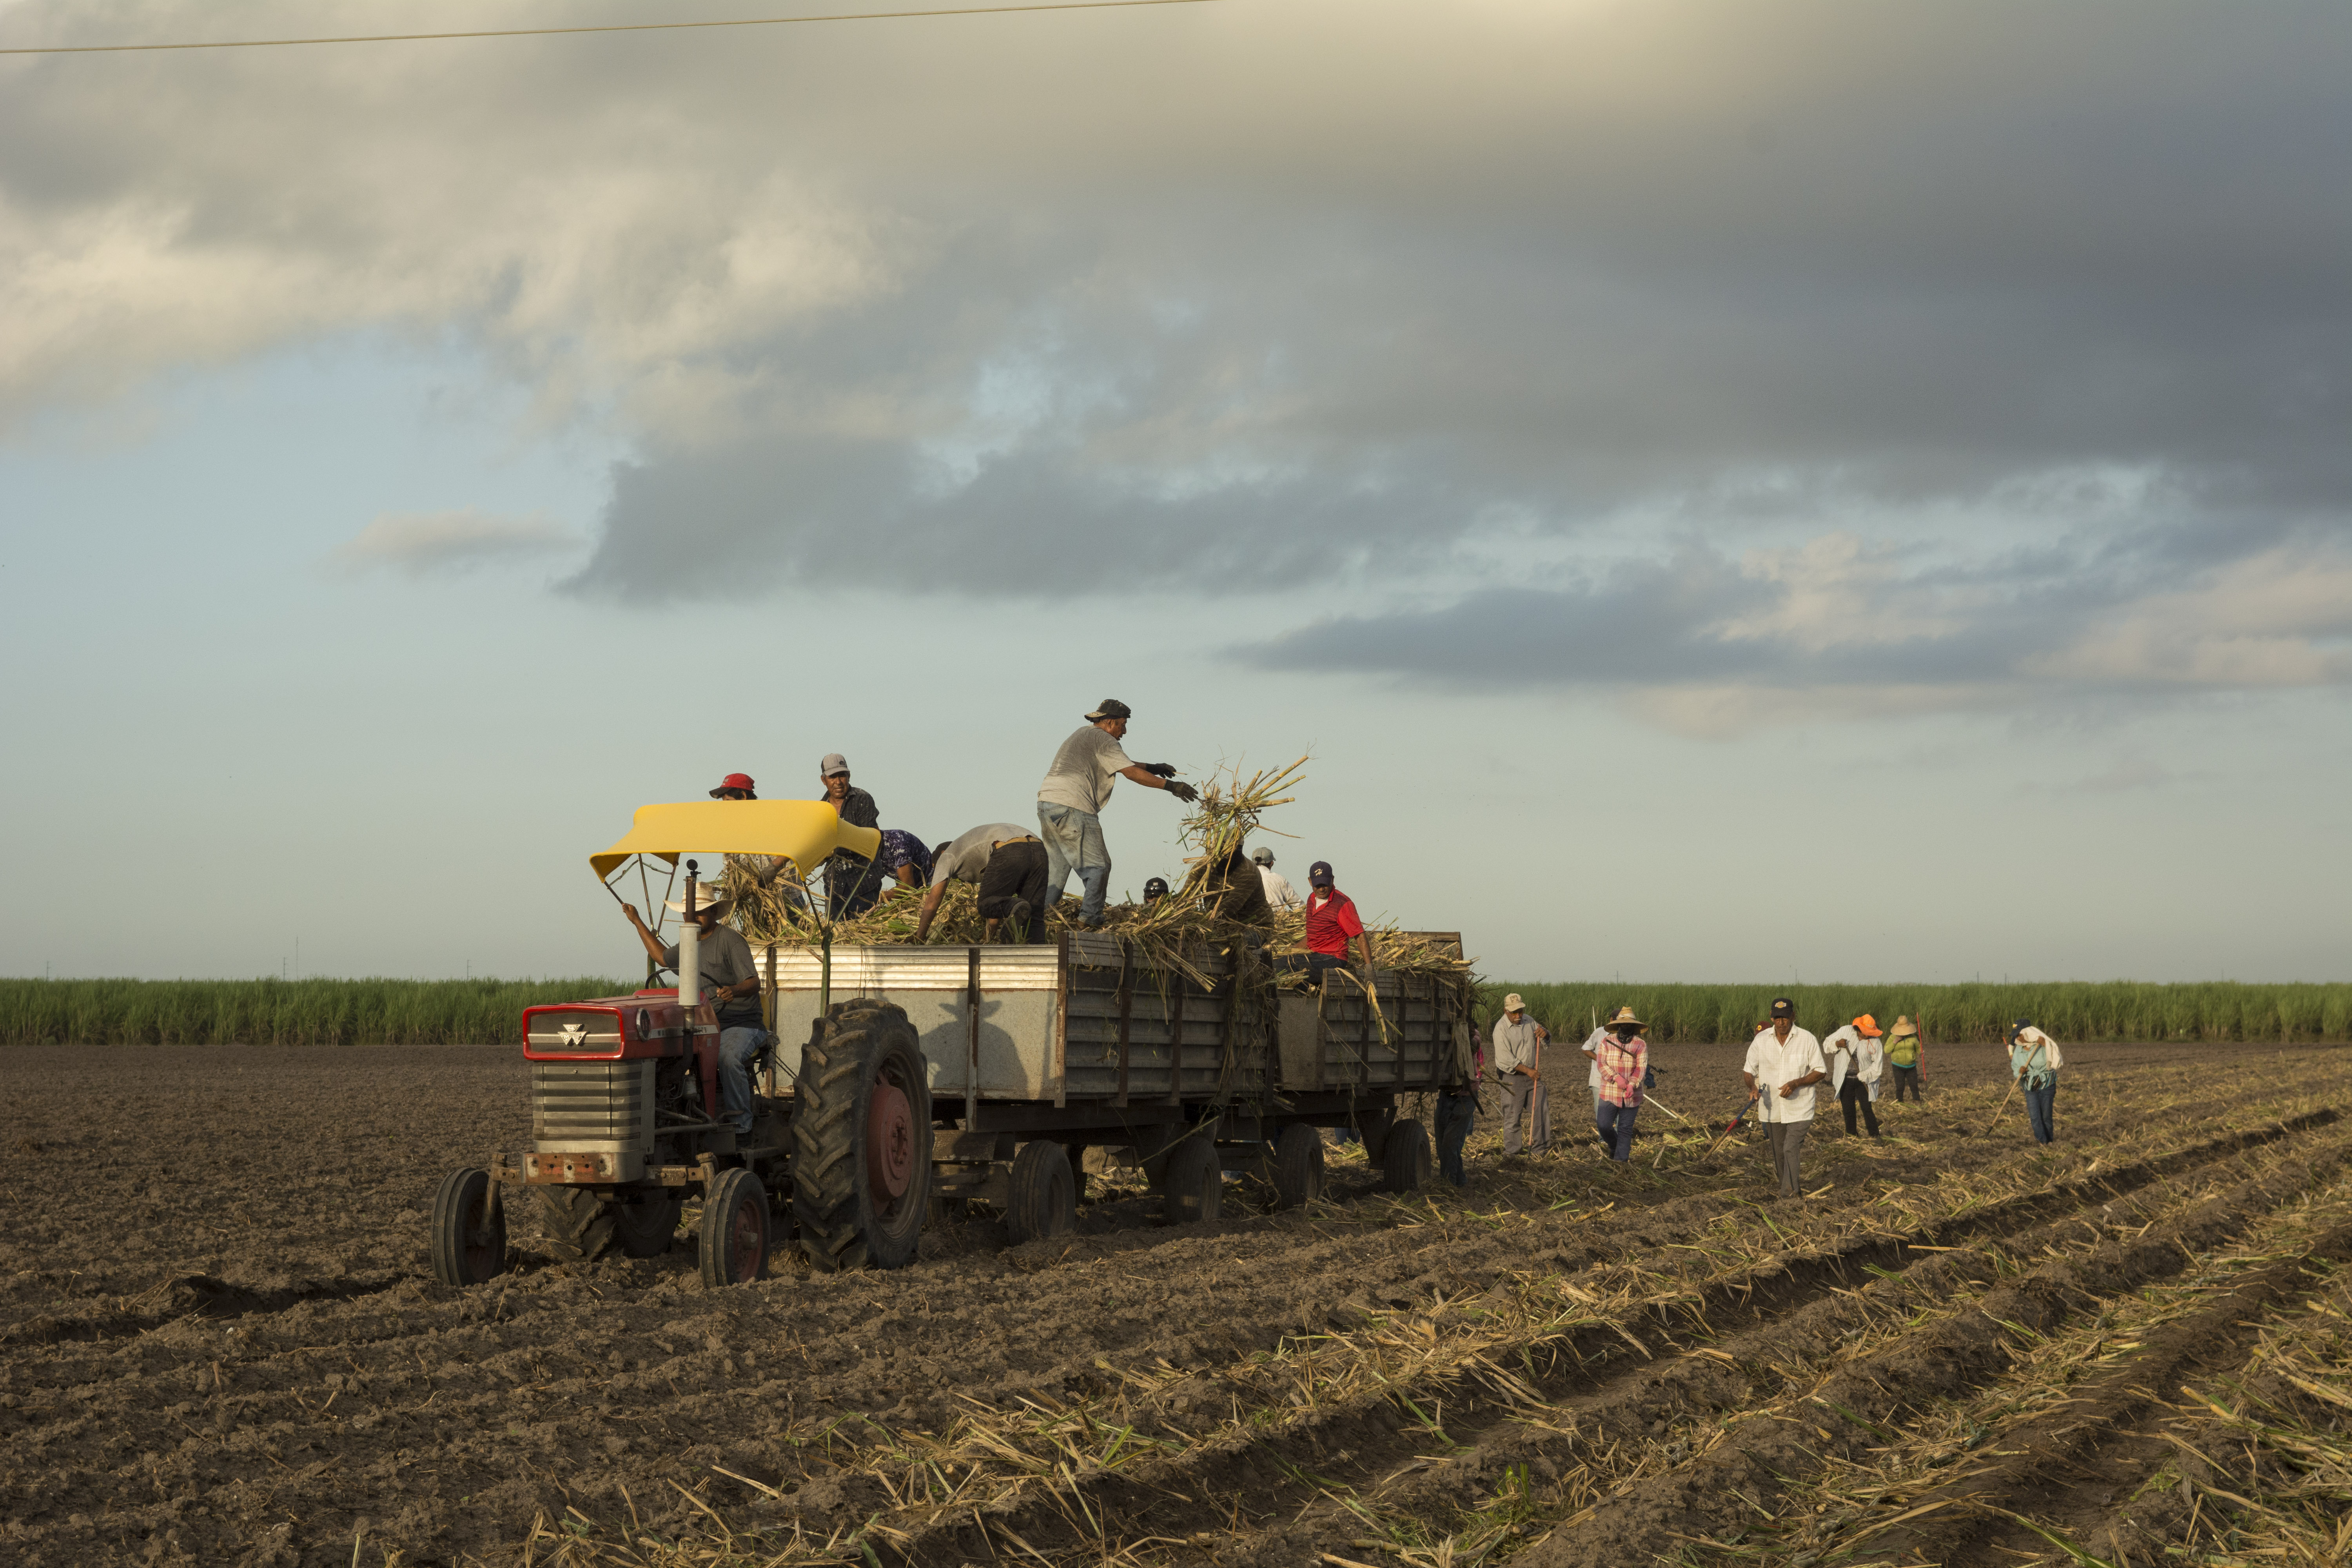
{"type": "Point", "coordinates": [1455, 1404]}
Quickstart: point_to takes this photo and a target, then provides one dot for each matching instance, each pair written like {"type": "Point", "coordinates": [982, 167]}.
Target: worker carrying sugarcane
{"type": "Point", "coordinates": [730, 981]}
{"type": "Point", "coordinates": [1905, 1054]}
{"type": "Point", "coordinates": [1070, 800]}
{"type": "Point", "coordinates": [1008, 864]}
{"type": "Point", "coordinates": [1280, 893]}
{"type": "Point", "coordinates": [2035, 1058]}
{"type": "Point", "coordinates": [1783, 1065]}
{"type": "Point", "coordinates": [1854, 1059]}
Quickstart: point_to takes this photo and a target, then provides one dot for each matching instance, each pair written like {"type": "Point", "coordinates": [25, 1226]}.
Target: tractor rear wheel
{"type": "Point", "coordinates": [578, 1224]}
{"type": "Point", "coordinates": [466, 1250]}
{"type": "Point", "coordinates": [734, 1239]}
{"type": "Point", "coordinates": [1405, 1160]}
{"type": "Point", "coordinates": [1196, 1181]}
{"type": "Point", "coordinates": [1044, 1195]}
{"type": "Point", "coordinates": [1297, 1166]}
{"type": "Point", "coordinates": [646, 1227]}
{"type": "Point", "coordinates": [862, 1140]}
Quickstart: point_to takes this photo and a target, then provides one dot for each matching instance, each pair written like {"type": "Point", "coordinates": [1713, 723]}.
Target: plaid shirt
{"type": "Point", "coordinates": [1621, 1069]}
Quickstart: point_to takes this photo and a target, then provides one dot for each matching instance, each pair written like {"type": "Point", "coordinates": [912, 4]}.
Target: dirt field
{"type": "Point", "coordinates": [220, 1342]}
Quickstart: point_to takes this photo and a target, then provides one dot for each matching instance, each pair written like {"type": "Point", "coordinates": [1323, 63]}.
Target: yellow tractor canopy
{"type": "Point", "coordinates": [803, 831]}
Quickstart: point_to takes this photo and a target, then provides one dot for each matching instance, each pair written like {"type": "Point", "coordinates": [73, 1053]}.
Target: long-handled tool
{"type": "Point", "coordinates": [1733, 1125]}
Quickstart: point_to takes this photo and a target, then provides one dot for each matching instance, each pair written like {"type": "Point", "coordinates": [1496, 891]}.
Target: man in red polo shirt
{"type": "Point", "coordinates": [1332, 922]}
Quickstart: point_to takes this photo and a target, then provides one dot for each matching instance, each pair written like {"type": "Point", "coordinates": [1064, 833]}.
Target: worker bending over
{"type": "Point", "coordinates": [1071, 799]}
{"type": "Point", "coordinates": [731, 982]}
{"type": "Point", "coordinates": [1008, 864]}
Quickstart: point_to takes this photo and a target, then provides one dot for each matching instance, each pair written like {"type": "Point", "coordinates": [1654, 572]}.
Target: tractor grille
{"type": "Point", "coordinates": [601, 1105]}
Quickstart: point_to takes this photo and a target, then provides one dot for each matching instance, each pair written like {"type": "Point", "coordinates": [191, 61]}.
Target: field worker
{"type": "Point", "coordinates": [1154, 889]}
{"type": "Point", "coordinates": [1009, 865]}
{"type": "Point", "coordinates": [1518, 1063]}
{"type": "Point", "coordinates": [731, 982]}
{"type": "Point", "coordinates": [904, 858]}
{"type": "Point", "coordinates": [1622, 1059]}
{"type": "Point", "coordinates": [1783, 1063]}
{"type": "Point", "coordinates": [734, 786]}
{"type": "Point", "coordinates": [1843, 1053]}
{"type": "Point", "coordinates": [761, 868]}
{"type": "Point", "coordinates": [2035, 1058]}
{"type": "Point", "coordinates": [1332, 924]}
{"type": "Point", "coordinates": [1278, 891]}
{"type": "Point", "coordinates": [1457, 1102]}
{"type": "Point", "coordinates": [852, 881]}
{"type": "Point", "coordinates": [1591, 1048]}
{"type": "Point", "coordinates": [1904, 1051]}
{"type": "Point", "coordinates": [1071, 799]}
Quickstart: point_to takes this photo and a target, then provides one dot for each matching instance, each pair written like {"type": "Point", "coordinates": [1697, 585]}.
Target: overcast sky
{"type": "Point", "coordinates": [1822, 491]}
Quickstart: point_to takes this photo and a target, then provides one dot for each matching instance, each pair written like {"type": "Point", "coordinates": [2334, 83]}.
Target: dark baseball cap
{"type": "Point", "coordinates": [1783, 1008]}
{"type": "Point", "coordinates": [1111, 708]}
{"type": "Point", "coordinates": [1318, 875]}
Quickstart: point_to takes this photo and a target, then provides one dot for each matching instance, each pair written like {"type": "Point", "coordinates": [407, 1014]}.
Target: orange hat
{"type": "Point", "coordinates": [1868, 1026]}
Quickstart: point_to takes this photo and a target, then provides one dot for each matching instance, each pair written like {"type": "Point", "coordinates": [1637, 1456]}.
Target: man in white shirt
{"type": "Point", "coordinates": [1783, 1063]}
{"type": "Point", "coordinates": [1278, 891]}
{"type": "Point", "coordinates": [1591, 1048]}
{"type": "Point", "coordinates": [1853, 1055]}
{"type": "Point", "coordinates": [1070, 802]}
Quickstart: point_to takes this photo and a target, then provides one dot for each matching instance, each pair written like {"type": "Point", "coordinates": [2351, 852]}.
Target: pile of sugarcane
{"type": "Point", "coordinates": [771, 905]}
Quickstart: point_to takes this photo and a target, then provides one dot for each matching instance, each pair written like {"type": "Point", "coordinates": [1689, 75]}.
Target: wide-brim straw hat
{"type": "Point", "coordinates": [1904, 1025]}
{"type": "Point", "coordinates": [1622, 1016]}
{"type": "Point", "coordinates": [704, 903]}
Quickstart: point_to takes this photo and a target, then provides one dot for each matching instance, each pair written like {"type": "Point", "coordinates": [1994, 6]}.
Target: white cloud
{"type": "Point", "coordinates": [421, 543]}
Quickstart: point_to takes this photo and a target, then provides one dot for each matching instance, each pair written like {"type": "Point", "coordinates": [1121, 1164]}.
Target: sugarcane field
{"type": "Point", "coordinates": [1706, 926]}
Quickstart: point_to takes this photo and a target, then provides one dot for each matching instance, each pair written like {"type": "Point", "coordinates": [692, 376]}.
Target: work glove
{"type": "Point", "coordinates": [1160, 770]}
{"type": "Point", "coordinates": [1183, 791]}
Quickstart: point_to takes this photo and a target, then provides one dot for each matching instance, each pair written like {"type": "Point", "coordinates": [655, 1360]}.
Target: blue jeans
{"type": "Point", "coordinates": [1616, 1125]}
{"type": "Point", "coordinates": [1456, 1111]}
{"type": "Point", "coordinates": [1074, 842]}
{"type": "Point", "coordinates": [2040, 1106]}
{"type": "Point", "coordinates": [737, 1047]}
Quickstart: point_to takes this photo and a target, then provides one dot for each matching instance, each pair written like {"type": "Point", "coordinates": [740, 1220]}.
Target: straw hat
{"type": "Point", "coordinates": [703, 902]}
{"type": "Point", "coordinates": [1515, 1003]}
{"type": "Point", "coordinates": [1868, 1026]}
{"type": "Point", "coordinates": [1904, 1025]}
{"type": "Point", "coordinates": [1622, 1016]}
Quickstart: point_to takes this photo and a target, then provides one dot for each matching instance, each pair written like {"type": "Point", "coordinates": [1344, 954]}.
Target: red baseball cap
{"type": "Point", "coordinates": [733, 781]}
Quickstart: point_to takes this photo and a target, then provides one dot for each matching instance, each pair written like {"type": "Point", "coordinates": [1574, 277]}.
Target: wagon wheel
{"type": "Point", "coordinates": [646, 1227]}
{"type": "Point", "coordinates": [1297, 1166]}
{"type": "Point", "coordinates": [578, 1224]}
{"type": "Point", "coordinates": [466, 1248]}
{"type": "Point", "coordinates": [1045, 1198]}
{"type": "Point", "coordinates": [862, 1140]}
{"type": "Point", "coordinates": [1374, 1127]}
{"type": "Point", "coordinates": [1196, 1181]}
{"type": "Point", "coordinates": [734, 1230]}
{"type": "Point", "coordinates": [1405, 1160]}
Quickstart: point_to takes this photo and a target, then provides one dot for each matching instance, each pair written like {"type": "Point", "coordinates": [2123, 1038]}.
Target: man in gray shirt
{"type": "Point", "coordinates": [1070, 802]}
{"type": "Point", "coordinates": [1518, 1043]}
{"type": "Point", "coordinates": [730, 981]}
{"type": "Point", "coordinates": [1009, 863]}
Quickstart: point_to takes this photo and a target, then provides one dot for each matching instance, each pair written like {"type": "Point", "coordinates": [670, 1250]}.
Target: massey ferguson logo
{"type": "Point", "coordinates": [574, 1035]}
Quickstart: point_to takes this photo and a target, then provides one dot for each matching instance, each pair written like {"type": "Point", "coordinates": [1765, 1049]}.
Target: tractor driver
{"type": "Point", "coordinates": [732, 981]}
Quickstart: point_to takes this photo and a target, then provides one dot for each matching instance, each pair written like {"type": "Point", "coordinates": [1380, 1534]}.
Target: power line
{"type": "Point", "coordinates": [612, 28]}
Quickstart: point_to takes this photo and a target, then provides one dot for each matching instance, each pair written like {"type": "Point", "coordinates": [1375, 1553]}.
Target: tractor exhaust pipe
{"type": "Point", "coordinates": [689, 940]}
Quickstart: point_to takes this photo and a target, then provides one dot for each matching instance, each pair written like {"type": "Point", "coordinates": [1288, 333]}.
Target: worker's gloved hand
{"type": "Point", "coordinates": [1183, 791]}
{"type": "Point", "coordinates": [1160, 770]}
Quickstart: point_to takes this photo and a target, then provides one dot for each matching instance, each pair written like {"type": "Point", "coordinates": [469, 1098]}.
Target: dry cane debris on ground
{"type": "Point", "coordinates": [219, 1342]}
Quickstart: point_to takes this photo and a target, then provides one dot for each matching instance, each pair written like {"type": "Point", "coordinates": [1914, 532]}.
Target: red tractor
{"type": "Point", "coordinates": [625, 1100]}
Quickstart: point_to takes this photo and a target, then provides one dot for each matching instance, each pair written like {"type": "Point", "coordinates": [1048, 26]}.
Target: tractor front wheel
{"type": "Point", "coordinates": [734, 1230]}
{"type": "Point", "coordinates": [578, 1224]}
{"type": "Point", "coordinates": [862, 1140]}
{"type": "Point", "coordinates": [647, 1226]}
{"type": "Point", "coordinates": [468, 1245]}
